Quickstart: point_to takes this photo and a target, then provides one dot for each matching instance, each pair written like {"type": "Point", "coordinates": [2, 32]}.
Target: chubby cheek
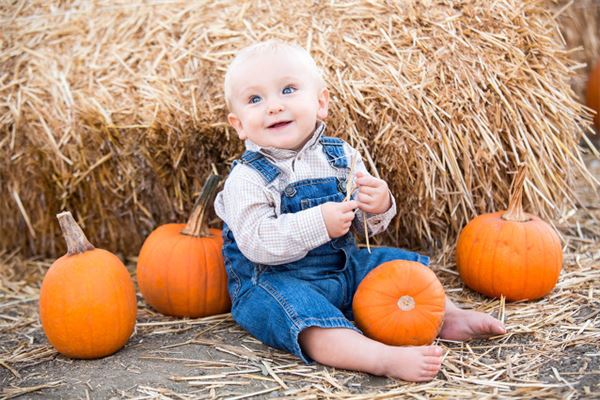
{"type": "Point", "coordinates": [307, 113]}
{"type": "Point", "coordinates": [254, 120]}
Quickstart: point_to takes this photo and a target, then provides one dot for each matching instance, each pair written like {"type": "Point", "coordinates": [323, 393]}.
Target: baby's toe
{"type": "Point", "coordinates": [432, 351]}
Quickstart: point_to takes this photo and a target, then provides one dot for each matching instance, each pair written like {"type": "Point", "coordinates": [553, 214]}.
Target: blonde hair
{"type": "Point", "coordinates": [272, 46]}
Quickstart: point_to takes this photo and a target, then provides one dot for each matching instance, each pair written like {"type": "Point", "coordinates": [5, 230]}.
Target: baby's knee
{"type": "Point", "coordinates": [309, 334]}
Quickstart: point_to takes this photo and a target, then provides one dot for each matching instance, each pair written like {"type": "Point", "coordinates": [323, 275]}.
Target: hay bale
{"type": "Point", "coordinates": [115, 112]}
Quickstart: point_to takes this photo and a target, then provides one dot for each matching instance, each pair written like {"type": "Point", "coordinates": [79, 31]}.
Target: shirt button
{"type": "Point", "coordinates": [342, 185]}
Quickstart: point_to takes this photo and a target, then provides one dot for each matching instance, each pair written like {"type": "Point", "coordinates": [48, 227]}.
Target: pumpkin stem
{"type": "Point", "coordinates": [515, 205]}
{"type": "Point", "coordinates": [406, 303]}
{"type": "Point", "coordinates": [76, 240]}
{"type": "Point", "coordinates": [196, 226]}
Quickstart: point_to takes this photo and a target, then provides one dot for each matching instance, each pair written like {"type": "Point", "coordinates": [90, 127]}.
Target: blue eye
{"type": "Point", "coordinates": [288, 90]}
{"type": "Point", "coordinates": [254, 99]}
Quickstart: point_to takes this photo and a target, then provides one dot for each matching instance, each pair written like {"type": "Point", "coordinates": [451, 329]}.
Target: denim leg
{"type": "Point", "coordinates": [278, 308]}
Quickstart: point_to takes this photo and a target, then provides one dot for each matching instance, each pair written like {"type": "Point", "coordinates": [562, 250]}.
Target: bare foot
{"type": "Point", "coordinates": [414, 364]}
{"type": "Point", "coordinates": [462, 324]}
{"type": "Point", "coordinates": [348, 349]}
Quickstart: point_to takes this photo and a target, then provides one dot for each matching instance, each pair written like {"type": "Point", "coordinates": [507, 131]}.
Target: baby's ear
{"type": "Point", "coordinates": [237, 125]}
{"type": "Point", "coordinates": [323, 100]}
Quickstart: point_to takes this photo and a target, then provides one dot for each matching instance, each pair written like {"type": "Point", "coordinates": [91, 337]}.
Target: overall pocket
{"type": "Point", "coordinates": [309, 203]}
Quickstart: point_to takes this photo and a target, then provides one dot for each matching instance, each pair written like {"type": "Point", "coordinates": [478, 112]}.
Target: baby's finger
{"type": "Point", "coordinates": [348, 216]}
{"type": "Point", "coordinates": [365, 198]}
{"type": "Point", "coordinates": [368, 181]}
{"type": "Point", "coordinates": [348, 205]}
{"type": "Point", "coordinates": [368, 190]}
{"type": "Point", "coordinates": [367, 207]}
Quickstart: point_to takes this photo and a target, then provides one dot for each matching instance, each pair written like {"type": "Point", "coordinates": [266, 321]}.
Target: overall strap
{"type": "Point", "coordinates": [334, 150]}
{"type": "Point", "coordinates": [260, 163]}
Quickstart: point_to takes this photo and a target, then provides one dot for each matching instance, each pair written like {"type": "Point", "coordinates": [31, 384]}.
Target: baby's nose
{"type": "Point", "coordinates": [274, 108]}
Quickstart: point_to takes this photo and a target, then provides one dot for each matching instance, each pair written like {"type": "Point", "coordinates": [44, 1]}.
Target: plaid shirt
{"type": "Point", "coordinates": [252, 210]}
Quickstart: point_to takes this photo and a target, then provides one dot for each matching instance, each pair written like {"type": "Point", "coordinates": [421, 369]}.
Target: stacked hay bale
{"type": "Point", "coordinates": [115, 110]}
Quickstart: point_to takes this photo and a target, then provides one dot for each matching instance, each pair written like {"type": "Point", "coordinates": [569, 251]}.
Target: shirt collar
{"type": "Point", "coordinates": [277, 153]}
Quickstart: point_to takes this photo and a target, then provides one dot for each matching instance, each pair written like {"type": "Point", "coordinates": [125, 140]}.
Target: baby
{"type": "Point", "coordinates": [292, 262]}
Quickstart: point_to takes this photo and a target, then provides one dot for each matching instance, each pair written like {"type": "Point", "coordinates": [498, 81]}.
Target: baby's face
{"type": "Point", "coordinates": [276, 101]}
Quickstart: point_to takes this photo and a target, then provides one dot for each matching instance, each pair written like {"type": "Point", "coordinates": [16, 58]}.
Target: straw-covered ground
{"type": "Point", "coordinates": [552, 349]}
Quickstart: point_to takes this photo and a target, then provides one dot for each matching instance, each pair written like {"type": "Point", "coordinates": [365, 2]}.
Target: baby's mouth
{"type": "Point", "coordinates": [279, 124]}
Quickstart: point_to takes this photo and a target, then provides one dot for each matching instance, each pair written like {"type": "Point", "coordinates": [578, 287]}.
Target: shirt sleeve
{"type": "Point", "coordinates": [376, 223]}
{"type": "Point", "coordinates": [264, 237]}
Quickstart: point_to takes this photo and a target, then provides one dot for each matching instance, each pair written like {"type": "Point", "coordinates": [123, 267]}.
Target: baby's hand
{"type": "Point", "coordinates": [373, 194]}
{"type": "Point", "coordinates": [338, 217]}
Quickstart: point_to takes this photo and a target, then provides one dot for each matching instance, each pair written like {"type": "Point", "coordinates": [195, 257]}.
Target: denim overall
{"type": "Point", "coordinates": [275, 303]}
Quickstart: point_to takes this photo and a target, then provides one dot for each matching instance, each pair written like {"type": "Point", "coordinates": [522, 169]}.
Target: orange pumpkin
{"type": "Point", "coordinates": [592, 95]}
{"type": "Point", "coordinates": [87, 300]}
{"type": "Point", "coordinates": [510, 253]}
{"type": "Point", "coordinates": [400, 303]}
{"type": "Point", "coordinates": [180, 268]}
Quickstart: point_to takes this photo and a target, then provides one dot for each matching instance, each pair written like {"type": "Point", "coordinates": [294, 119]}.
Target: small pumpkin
{"type": "Point", "coordinates": [400, 303]}
{"type": "Point", "coordinates": [592, 94]}
{"type": "Point", "coordinates": [180, 268]}
{"type": "Point", "coordinates": [510, 253]}
{"type": "Point", "coordinates": [87, 300]}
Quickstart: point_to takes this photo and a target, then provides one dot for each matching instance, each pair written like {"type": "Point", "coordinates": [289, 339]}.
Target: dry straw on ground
{"type": "Point", "coordinates": [113, 110]}
{"type": "Point", "coordinates": [551, 350]}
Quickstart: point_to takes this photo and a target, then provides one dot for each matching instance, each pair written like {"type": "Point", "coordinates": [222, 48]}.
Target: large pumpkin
{"type": "Point", "coordinates": [180, 267]}
{"type": "Point", "coordinates": [87, 300]}
{"type": "Point", "coordinates": [509, 253]}
{"type": "Point", "coordinates": [400, 303]}
{"type": "Point", "coordinates": [592, 95]}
